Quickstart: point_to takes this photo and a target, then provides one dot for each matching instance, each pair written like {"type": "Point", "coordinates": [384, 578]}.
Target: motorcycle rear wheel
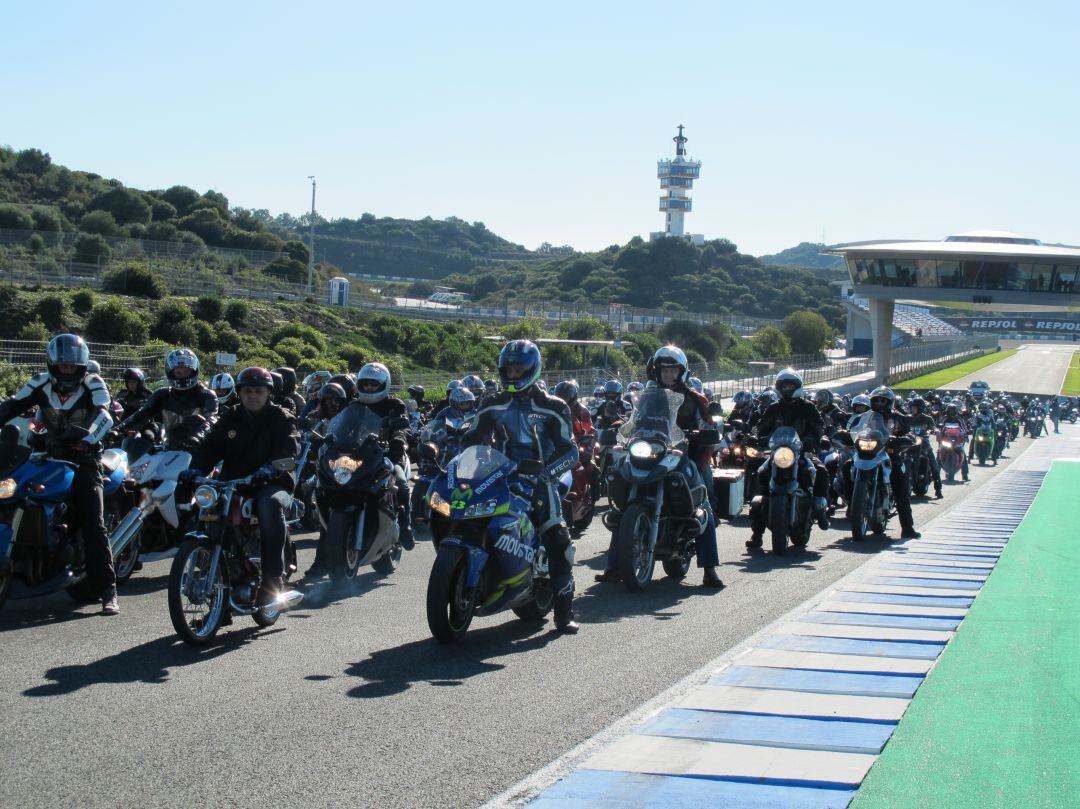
{"type": "Point", "coordinates": [858, 513]}
{"type": "Point", "coordinates": [192, 561]}
{"type": "Point", "coordinates": [449, 612]}
{"type": "Point", "coordinates": [636, 559]}
{"type": "Point", "coordinates": [778, 523]}
{"type": "Point", "coordinates": [537, 609]}
{"type": "Point", "coordinates": [388, 562]}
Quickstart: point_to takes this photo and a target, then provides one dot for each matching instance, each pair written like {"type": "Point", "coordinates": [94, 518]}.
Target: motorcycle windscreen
{"type": "Point", "coordinates": [655, 417]}
{"type": "Point", "coordinates": [353, 425]}
{"type": "Point", "coordinates": [478, 463]}
{"type": "Point", "coordinates": [870, 420]}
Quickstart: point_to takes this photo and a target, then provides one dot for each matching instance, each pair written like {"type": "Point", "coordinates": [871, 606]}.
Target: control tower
{"type": "Point", "coordinates": [677, 177]}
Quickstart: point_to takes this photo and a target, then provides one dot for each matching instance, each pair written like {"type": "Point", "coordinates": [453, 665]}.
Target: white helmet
{"type": "Point", "coordinates": [373, 372]}
{"type": "Point", "coordinates": [861, 399]}
{"type": "Point", "coordinates": [668, 356]}
{"type": "Point", "coordinates": [789, 384]}
{"type": "Point", "coordinates": [224, 387]}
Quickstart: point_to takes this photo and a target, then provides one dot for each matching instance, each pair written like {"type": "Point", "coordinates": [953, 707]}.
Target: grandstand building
{"type": "Point", "coordinates": [980, 267]}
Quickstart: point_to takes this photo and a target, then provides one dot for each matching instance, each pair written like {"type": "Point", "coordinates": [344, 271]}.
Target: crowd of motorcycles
{"type": "Point", "coordinates": [474, 499]}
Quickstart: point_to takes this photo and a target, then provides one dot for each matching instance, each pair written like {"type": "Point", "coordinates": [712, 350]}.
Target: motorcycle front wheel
{"type": "Point", "coordinates": [342, 555]}
{"type": "Point", "coordinates": [636, 558]}
{"type": "Point", "coordinates": [196, 606]}
{"type": "Point", "coordinates": [859, 512]}
{"type": "Point", "coordinates": [778, 523]}
{"type": "Point", "coordinates": [449, 607]}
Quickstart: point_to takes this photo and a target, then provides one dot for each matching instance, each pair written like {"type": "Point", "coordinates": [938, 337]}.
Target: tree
{"type": "Point", "coordinates": [807, 331]}
{"type": "Point", "coordinates": [32, 161]}
{"type": "Point", "coordinates": [48, 218]}
{"type": "Point", "coordinates": [771, 342]}
{"type": "Point", "coordinates": [90, 248]}
{"type": "Point", "coordinates": [113, 322]}
{"type": "Point", "coordinates": [125, 205]}
{"type": "Point", "coordinates": [137, 280]}
{"type": "Point", "coordinates": [180, 197]}
{"type": "Point", "coordinates": [100, 222]}
{"type": "Point", "coordinates": [174, 323]}
{"type": "Point", "coordinates": [208, 223]}
{"type": "Point", "coordinates": [14, 217]}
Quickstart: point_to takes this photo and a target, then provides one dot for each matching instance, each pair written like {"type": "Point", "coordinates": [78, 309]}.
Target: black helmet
{"type": "Point", "coordinates": [882, 399]}
{"type": "Point", "coordinates": [279, 383]}
{"type": "Point", "coordinates": [67, 349]}
{"type": "Point", "coordinates": [346, 383]}
{"type": "Point", "coordinates": [417, 392]}
{"type": "Point", "coordinates": [613, 389]}
{"type": "Point", "coordinates": [332, 390]}
{"type": "Point", "coordinates": [288, 378]}
{"type": "Point", "coordinates": [823, 398]}
{"type": "Point", "coordinates": [917, 403]}
{"type": "Point", "coordinates": [568, 391]}
{"type": "Point", "coordinates": [134, 373]}
{"type": "Point", "coordinates": [255, 377]}
{"type": "Point", "coordinates": [743, 398]}
{"type": "Point", "coordinates": [524, 358]}
{"type": "Point", "coordinates": [491, 387]}
{"type": "Point", "coordinates": [788, 384]}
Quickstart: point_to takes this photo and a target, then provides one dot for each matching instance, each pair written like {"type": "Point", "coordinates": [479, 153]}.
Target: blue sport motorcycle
{"type": "Point", "coordinates": [489, 556]}
{"type": "Point", "coordinates": [38, 553]}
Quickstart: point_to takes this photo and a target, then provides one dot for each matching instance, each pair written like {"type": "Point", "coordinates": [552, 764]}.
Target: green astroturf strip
{"type": "Point", "coordinates": [954, 372]}
{"type": "Point", "coordinates": [1072, 378]}
{"type": "Point", "coordinates": [997, 723]}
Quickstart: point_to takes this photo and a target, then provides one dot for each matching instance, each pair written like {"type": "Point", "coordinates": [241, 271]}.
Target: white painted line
{"type": "Point", "coordinates": [793, 703]}
{"type": "Point", "coordinates": [779, 658]}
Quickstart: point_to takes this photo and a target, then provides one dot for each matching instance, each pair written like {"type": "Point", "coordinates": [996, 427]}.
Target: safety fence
{"type": "Point", "coordinates": [29, 355]}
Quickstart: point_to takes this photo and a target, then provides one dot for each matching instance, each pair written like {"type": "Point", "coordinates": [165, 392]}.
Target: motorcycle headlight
{"type": "Point", "coordinates": [868, 444]}
{"type": "Point", "coordinates": [438, 505]}
{"type": "Point", "coordinates": [783, 458]}
{"type": "Point", "coordinates": [981, 439]}
{"type": "Point", "coordinates": [947, 444]}
{"type": "Point", "coordinates": [751, 452]}
{"type": "Point", "coordinates": [482, 509]}
{"type": "Point", "coordinates": [7, 488]}
{"type": "Point", "coordinates": [645, 450]}
{"type": "Point", "coordinates": [206, 496]}
{"type": "Point", "coordinates": [344, 467]}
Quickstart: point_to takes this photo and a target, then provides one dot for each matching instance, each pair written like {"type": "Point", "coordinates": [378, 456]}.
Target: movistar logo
{"type": "Point", "coordinates": [515, 547]}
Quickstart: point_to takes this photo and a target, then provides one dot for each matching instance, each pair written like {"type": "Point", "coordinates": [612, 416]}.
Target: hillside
{"type": "Point", "coordinates": [808, 255]}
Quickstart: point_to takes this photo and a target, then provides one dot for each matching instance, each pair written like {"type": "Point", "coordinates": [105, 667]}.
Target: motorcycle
{"type": "Point", "coordinates": [489, 557]}
{"type": "Point", "coordinates": [39, 554]}
{"type": "Point", "coordinates": [656, 512]}
{"type": "Point", "coordinates": [921, 476]}
{"type": "Point", "coordinates": [579, 500]}
{"type": "Point", "coordinates": [357, 496]}
{"type": "Point", "coordinates": [217, 571]}
{"type": "Point", "coordinates": [153, 522]}
{"type": "Point", "coordinates": [984, 441]}
{"type": "Point", "coordinates": [952, 448]}
{"type": "Point", "coordinates": [872, 502]}
{"type": "Point", "coordinates": [790, 506]}
{"type": "Point", "coordinates": [1033, 423]}
{"type": "Point", "coordinates": [440, 442]}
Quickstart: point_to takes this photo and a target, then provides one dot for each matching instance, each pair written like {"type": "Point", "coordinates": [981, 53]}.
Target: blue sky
{"type": "Point", "coordinates": [544, 120]}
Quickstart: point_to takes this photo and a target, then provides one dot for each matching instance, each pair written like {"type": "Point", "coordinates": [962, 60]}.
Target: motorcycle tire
{"type": "Point", "coordinates": [636, 561]}
{"type": "Point", "coordinates": [202, 635]}
{"type": "Point", "coordinates": [678, 566]}
{"type": "Point", "coordinates": [449, 613]}
{"type": "Point", "coordinates": [6, 579]}
{"type": "Point", "coordinates": [542, 603]}
{"type": "Point", "coordinates": [778, 523]}
{"type": "Point", "coordinates": [388, 562]}
{"type": "Point", "coordinates": [342, 557]}
{"type": "Point", "coordinates": [858, 511]}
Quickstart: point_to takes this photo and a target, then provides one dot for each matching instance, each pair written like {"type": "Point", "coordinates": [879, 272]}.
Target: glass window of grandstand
{"type": "Point", "coordinates": [1065, 278]}
{"type": "Point", "coordinates": [860, 269]}
{"type": "Point", "coordinates": [948, 273]}
{"type": "Point", "coordinates": [926, 273]}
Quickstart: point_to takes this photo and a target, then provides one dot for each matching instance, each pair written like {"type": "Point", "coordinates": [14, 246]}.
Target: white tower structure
{"type": "Point", "coordinates": [677, 177]}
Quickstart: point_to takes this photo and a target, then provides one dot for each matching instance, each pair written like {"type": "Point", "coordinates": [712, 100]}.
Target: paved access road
{"type": "Point", "coordinates": [1036, 368]}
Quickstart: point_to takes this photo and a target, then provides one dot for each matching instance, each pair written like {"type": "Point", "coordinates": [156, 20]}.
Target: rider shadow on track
{"type": "Point", "coordinates": [610, 602]}
{"type": "Point", "coordinates": [392, 671]}
{"type": "Point", "coordinates": [146, 663]}
{"type": "Point", "coordinates": [324, 593]}
{"type": "Point", "coordinates": [763, 560]}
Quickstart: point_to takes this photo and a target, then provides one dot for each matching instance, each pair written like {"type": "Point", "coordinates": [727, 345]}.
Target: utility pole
{"type": "Point", "coordinates": [311, 239]}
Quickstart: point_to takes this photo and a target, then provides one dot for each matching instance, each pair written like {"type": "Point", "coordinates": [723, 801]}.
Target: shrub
{"type": "Point", "coordinates": [208, 308]}
{"type": "Point", "coordinates": [771, 342]}
{"type": "Point", "coordinates": [48, 218]}
{"type": "Point", "coordinates": [36, 243]}
{"type": "Point", "coordinates": [306, 334]}
{"type": "Point", "coordinates": [808, 331]}
{"type": "Point", "coordinates": [11, 379]}
{"type": "Point", "coordinates": [228, 338]}
{"type": "Point", "coordinates": [82, 301]}
{"type": "Point", "coordinates": [236, 312]}
{"type": "Point", "coordinates": [353, 356]}
{"type": "Point", "coordinates": [91, 248]}
{"type": "Point", "coordinates": [174, 323]}
{"type": "Point", "coordinates": [14, 217]}
{"type": "Point", "coordinates": [113, 322]}
{"type": "Point", "coordinates": [137, 280]}
{"type": "Point", "coordinates": [205, 336]}
{"type": "Point", "coordinates": [52, 311]}
{"type": "Point", "coordinates": [34, 330]}
{"type": "Point", "coordinates": [99, 222]}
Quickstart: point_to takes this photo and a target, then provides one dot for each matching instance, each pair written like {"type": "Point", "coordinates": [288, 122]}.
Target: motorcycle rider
{"type": "Point", "coordinates": [613, 409]}
{"type": "Point", "coordinates": [668, 370]}
{"type": "Point", "coordinates": [791, 410]}
{"type": "Point", "coordinates": [74, 407]}
{"type": "Point", "coordinates": [516, 419]}
{"type": "Point", "coordinates": [766, 399]}
{"type": "Point", "coordinates": [285, 392]}
{"type": "Point", "coordinates": [224, 387]}
{"type": "Point", "coordinates": [248, 439]}
{"type": "Point", "coordinates": [922, 420]}
{"type": "Point", "coordinates": [742, 406]}
{"type": "Point", "coordinates": [584, 434]}
{"type": "Point", "coordinates": [882, 401]}
{"type": "Point", "coordinates": [416, 393]}
{"type": "Point", "coordinates": [952, 415]}
{"type": "Point", "coordinates": [444, 403]}
{"type": "Point", "coordinates": [135, 392]}
{"type": "Point", "coordinates": [331, 402]}
{"type": "Point", "coordinates": [859, 405]}
{"type": "Point", "coordinates": [186, 408]}
{"type": "Point", "coordinates": [831, 415]}
{"type": "Point", "coordinates": [476, 386]}
{"type": "Point", "coordinates": [983, 418]}
{"type": "Point", "coordinates": [373, 392]}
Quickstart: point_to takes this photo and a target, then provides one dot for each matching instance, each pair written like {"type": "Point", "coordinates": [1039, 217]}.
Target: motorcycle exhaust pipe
{"type": "Point", "coordinates": [126, 531]}
{"type": "Point", "coordinates": [287, 600]}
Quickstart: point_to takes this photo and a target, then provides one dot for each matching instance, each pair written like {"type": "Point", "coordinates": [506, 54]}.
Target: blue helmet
{"type": "Point", "coordinates": [519, 365]}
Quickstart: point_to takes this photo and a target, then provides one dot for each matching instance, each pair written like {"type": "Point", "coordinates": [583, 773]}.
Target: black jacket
{"type": "Point", "coordinates": [175, 409]}
{"type": "Point", "coordinates": [245, 442]}
{"type": "Point", "coordinates": [391, 410]}
{"type": "Point", "coordinates": [798, 414]}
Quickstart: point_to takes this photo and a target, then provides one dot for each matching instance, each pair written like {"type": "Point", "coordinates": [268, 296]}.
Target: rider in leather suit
{"type": "Point", "coordinates": [186, 408]}
{"type": "Point", "coordinates": [517, 420]}
{"type": "Point", "coordinates": [925, 423]}
{"type": "Point", "coordinates": [882, 401]}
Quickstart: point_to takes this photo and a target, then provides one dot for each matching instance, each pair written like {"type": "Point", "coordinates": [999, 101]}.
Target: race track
{"type": "Point", "coordinates": [1037, 368]}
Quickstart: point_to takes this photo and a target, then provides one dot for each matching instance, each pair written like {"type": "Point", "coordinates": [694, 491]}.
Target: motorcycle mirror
{"type": "Point", "coordinates": [531, 466]}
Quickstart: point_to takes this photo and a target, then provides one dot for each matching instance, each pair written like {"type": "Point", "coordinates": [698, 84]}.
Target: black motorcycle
{"type": "Point", "coordinates": [921, 473]}
{"type": "Point", "coordinates": [790, 506]}
{"type": "Point", "coordinates": [357, 496]}
{"type": "Point", "coordinates": [656, 513]}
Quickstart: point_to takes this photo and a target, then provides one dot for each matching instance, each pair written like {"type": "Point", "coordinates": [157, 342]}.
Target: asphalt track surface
{"type": "Point", "coordinates": [1036, 368]}
{"type": "Point", "coordinates": [348, 701]}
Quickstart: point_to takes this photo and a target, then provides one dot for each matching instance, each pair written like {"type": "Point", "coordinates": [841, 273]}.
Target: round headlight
{"type": "Point", "coordinates": [784, 457]}
{"type": "Point", "coordinates": [868, 444]}
{"type": "Point", "coordinates": [641, 450]}
{"type": "Point", "coordinates": [343, 467]}
{"type": "Point", "coordinates": [205, 496]}
{"type": "Point", "coordinates": [7, 488]}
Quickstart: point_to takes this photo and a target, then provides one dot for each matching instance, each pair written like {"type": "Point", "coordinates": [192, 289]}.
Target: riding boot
{"type": "Point", "coordinates": [405, 531]}
{"type": "Point", "coordinates": [564, 607]}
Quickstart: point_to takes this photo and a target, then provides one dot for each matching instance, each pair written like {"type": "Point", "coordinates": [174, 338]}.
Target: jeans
{"type": "Point", "coordinates": [271, 503]}
{"type": "Point", "coordinates": [88, 506]}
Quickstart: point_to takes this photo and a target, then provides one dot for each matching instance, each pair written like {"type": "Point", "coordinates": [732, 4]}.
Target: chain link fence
{"type": "Point", "coordinates": [29, 356]}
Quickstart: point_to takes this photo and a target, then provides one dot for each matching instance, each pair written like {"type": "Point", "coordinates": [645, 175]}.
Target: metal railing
{"type": "Point", "coordinates": [29, 355]}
